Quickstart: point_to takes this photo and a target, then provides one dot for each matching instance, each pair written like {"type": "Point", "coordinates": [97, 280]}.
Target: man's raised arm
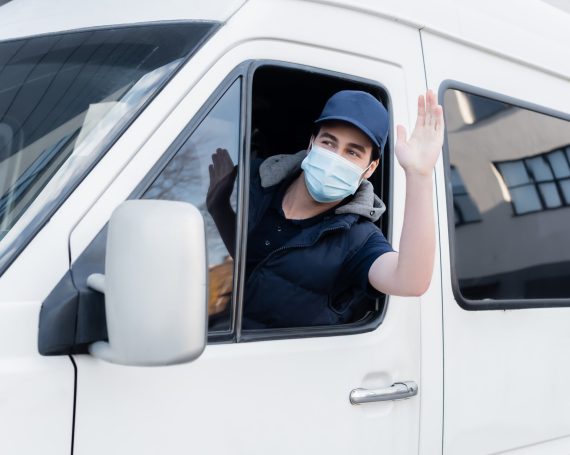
{"type": "Point", "coordinates": [409, 271]}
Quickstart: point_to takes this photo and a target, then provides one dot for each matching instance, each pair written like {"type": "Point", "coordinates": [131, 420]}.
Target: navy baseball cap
{"type": "Point", "coordinates": [360, 109]}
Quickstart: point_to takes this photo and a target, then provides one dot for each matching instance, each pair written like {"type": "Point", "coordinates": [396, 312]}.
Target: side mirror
{"type": "Point", "coordinates": [154, 284]}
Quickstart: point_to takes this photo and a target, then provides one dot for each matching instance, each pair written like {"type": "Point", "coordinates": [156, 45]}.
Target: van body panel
{"type": "Point", "coordinates": [507, 28]}
{"type": "Point", "coordinates": [505, 370]}
{"type": "Point", "coordinates": [490, 381]}
{"type": "Point", "coordinates": [36, 393]}
{"type": "Point", "coordinates": [20, 18]}
{"type": "Point", "coordinates": [245, 379]}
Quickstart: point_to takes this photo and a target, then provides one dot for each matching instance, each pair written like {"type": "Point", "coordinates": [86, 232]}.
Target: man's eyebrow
{"type": "Point", "coordinates": [329, 136]}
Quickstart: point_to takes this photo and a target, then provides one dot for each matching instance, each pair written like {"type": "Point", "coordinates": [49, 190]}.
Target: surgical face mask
{"type": "Point", "coordinates": [330, 177]}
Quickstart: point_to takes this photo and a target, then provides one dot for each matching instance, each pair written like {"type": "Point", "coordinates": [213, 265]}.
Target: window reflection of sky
{"type": "Point", "coordinates": [186, 177]}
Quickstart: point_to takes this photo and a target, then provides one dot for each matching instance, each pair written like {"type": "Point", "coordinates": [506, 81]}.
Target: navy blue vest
{"type": "Point", "coordinates": [302, 283]}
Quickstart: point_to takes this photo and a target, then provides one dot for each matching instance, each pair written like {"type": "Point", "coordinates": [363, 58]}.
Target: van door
{"type": "Point", "coordinates": [36, 393]}
{"type": "Point", "coordinates": [506, 292]}
{"type": "Point", "coordinates": [283, 394]}
{"type": "Point", "coordinates": [64, 99]}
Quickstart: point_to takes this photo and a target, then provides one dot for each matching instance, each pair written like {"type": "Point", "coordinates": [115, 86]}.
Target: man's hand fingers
{"type": "Point", "coordinates": [420, 121]}
{"type": "Point", "coordinates": [401, 134]}
{"type": "Point", "coordinates": [428, 108]}
{"type": "Point", "coordinates": [223, 154]}
{"type": "Point", "coordinates": [216, 159]}
{"type": "Point", "coordinates": [436, 111]}
{"type": "Point", "coordinates": [223, 160]}
{"type": "Point", "coordinates": [439, 120]}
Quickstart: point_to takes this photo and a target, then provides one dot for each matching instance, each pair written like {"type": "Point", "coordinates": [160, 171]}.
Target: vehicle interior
{"type": "Point", "coordinates": [285, 102]}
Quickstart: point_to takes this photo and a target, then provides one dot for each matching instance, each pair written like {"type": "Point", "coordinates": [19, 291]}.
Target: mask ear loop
{"type": "Point", "coordinates": [311, 143]}
{"type": "Point", "coordinates": [365, 170]}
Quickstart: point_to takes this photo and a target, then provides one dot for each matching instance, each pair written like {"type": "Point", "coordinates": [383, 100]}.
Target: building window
{"type": "Point", "coordinates": [540, 182]}
{"type": "Point", "coordinates": [464, 208]}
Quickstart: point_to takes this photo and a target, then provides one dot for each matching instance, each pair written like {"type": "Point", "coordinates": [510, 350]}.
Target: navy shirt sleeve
{"type": "Point", "coordinates": [358, 265]}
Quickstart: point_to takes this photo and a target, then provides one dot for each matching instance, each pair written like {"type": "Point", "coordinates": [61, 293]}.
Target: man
{"type": "Point", "coordinates": [314, 251]}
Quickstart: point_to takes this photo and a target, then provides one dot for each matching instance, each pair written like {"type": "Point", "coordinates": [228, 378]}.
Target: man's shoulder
{"type": "Point", "coordinates": [277, 168]}
{"type": "Point", "coordinates": [365, 203]}
{"type": "Point", "coordinates": [355, 230]}
{"type": "Point", "coordinates": [365, 227]}
{"type": "Point", "coordinates": [363, 230]}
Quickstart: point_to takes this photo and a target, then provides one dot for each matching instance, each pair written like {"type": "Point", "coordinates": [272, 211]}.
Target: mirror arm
{"type": "Point", "coordinates": [96, 281]}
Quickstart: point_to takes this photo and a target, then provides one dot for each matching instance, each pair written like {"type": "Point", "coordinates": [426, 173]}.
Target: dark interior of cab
{"type": "Point", "coordinates": [285, 102]}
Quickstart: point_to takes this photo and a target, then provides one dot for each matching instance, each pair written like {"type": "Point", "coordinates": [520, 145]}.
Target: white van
{"type": "Point", "coordinates": [106, 101]}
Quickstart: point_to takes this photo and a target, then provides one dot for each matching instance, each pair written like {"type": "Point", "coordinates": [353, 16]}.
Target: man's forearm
{"type": "Point", "coordinates": [417, 243]}
{"type": "Point", "coordinates": [409, 271]}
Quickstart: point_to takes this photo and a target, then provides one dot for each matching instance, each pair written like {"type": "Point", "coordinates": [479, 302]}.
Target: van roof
{"type": "Point", "coordinates": [531, 31]}
{"type": "Point", "coordinates": [20, 18]}
{"type": "Point", "coordinates": [536, 32]}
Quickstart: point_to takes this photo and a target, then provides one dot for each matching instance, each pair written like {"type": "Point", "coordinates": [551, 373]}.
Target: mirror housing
{"type": "Point", "coordinates": [155, 284]}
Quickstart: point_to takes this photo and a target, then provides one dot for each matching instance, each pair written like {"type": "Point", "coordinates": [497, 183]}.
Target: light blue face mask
{"type": "Point", "coordinates": [330, 177]}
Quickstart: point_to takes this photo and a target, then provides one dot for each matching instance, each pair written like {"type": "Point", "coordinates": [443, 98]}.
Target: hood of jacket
{"type": "Point", "coordinates": [364, 203]}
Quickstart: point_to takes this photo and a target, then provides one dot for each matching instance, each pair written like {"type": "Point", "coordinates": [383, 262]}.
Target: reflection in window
{"type": "Point", "coordinates": [465, 210]}
{"type": "Point", "coordinates": [64, 98]}
{"type": "Point", "coordinates": [540, 182]}
{"type": "Point", "coordinates": [474, 108]}
{"type": "Point", "coordinates": [186, 178]}
{"type": "Point", "coordinates": [517, 160]}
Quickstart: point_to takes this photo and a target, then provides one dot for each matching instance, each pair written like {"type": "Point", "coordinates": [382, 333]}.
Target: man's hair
{"type": "Point", "coordinates": [375, 149]}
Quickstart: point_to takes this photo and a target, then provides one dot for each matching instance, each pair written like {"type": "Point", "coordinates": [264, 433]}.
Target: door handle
{"type": "Point", "coordinates": [397, 391]}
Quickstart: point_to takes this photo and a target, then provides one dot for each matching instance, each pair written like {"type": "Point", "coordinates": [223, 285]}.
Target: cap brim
{"type": "Point", "coordinates": [359, 125]}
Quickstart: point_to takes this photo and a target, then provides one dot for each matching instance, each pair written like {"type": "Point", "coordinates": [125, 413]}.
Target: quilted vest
{"type": "Point", "coordinates": [302, 283]}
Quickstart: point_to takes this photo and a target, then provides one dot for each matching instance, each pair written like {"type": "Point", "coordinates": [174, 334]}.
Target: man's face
{"type": "Point", "coordinates": [347, 141]}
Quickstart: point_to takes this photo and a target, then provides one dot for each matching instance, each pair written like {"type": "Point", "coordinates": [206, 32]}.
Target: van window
{"type": "Point", "coordinates": [509, 178]}
{"type": "Point", "coordinates": [64, 99]}
{"type": "Point", "coordinates": [285, 101]}
{"type": "Point", "coordinates": [187, 178]}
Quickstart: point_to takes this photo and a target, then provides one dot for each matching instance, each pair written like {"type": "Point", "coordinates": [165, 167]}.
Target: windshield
{"type": "Point", "coordinates": [64, 99]}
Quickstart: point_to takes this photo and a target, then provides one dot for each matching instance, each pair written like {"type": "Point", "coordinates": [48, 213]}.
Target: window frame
{"type": "Point", "coordinates": [245, 71]}
{"type": "Point", "coordinates": [488, 304]}
{"type": "Point", "coordinates": [387, 186]}
{"type": "Point", "coordinates": [238, 73]}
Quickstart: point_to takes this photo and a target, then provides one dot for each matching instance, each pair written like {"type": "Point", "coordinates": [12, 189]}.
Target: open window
{"type": "Point", "coordinates": [284, 102]}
